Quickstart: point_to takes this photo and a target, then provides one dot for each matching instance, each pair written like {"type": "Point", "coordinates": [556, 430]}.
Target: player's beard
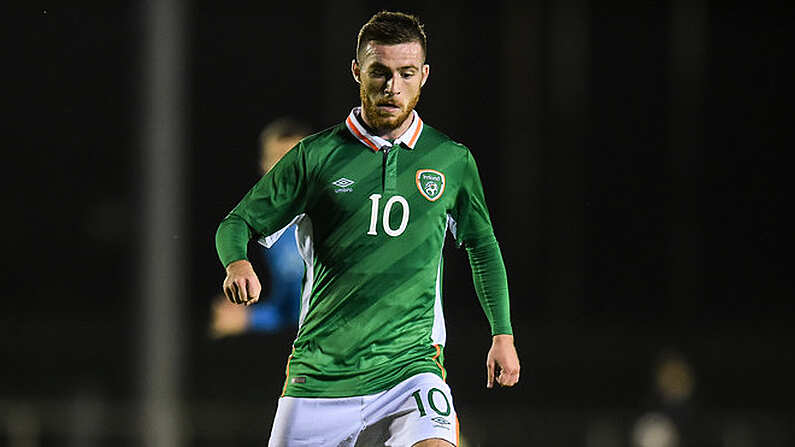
{"type": "Point", "coordinates": [385, 123]}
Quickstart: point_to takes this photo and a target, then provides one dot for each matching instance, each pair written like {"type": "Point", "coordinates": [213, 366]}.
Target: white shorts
{"type": "Point", "coordinates": [419, 408]}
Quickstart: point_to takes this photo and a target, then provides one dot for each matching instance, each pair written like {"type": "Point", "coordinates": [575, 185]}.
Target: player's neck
{"type": "Point", "coordinates": [387, 134]}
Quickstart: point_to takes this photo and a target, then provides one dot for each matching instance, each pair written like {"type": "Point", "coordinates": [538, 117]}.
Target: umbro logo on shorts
{"type": "Point", "coordinates": [343, 185]}
{"type": "Point", "coordinates": [440, 420]}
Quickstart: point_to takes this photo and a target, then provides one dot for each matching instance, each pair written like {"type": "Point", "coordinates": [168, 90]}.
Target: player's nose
{"type": "Point", "coordinates": [391, 87]}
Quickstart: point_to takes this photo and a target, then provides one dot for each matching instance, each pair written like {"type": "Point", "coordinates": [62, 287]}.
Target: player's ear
{"type": "Point", "coordinates": [426, 70]}
{"type": "Point", "coordinates": [356, 71]}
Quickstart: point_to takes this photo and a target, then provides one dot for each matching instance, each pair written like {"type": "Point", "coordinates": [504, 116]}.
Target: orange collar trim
{"type": "Point", "coordinates": [409, 137]}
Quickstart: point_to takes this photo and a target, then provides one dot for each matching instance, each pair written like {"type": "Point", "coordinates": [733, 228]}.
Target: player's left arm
{"type": "Point", "coordinates": [491, 285]}
{"type": "Point", "coordinates": [475, 232]}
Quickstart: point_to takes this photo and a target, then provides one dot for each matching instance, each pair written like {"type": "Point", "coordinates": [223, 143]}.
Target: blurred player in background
{"type": "Point", "coordinates": [669, 419]}
{"type": "Point", "coordinates": [373, 198]}
{"type": "Point", "coordinates": [284, 264]}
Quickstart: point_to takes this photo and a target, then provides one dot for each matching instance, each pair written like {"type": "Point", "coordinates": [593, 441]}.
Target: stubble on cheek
{"type": "Point", "coordinates": [387, 122]}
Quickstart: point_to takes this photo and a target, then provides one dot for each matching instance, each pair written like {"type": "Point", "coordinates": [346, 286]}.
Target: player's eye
{"type": "Point", "coordinates": [407, 74]}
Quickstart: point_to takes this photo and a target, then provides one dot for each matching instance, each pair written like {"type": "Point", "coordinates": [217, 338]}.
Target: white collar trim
{"type": "Point", "coordinates": [408, 138]}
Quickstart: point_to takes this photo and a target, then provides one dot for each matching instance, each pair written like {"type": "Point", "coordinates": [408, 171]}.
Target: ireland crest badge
{"type": "Point", "coordinates": [431, 184]}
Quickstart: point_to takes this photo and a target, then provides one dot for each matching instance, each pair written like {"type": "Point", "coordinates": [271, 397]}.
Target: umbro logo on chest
{"type": "Point", "coordinates": [343, 185]}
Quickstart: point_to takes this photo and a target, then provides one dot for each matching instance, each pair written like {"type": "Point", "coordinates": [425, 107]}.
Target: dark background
{"type": "Point", "coordinates": [637, 184]}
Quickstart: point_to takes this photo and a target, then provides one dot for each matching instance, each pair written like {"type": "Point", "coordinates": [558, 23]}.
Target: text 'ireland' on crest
{"type": "Point", "coordinates": [431, 183]}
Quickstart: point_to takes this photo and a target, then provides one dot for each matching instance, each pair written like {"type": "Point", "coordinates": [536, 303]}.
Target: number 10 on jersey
{"type": "Point", "coordinates": [376, 199]}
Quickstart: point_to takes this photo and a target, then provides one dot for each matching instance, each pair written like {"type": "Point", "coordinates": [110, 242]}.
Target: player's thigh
{"type": "Point", "coordinates": [433, 443]}
{"type": "Point", "coordinates": [423, 410]}
{"type": "Point", "coordinates": [315, 421]}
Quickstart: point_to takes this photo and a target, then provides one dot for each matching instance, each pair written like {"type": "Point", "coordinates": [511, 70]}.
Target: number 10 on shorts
{"type": "Point", "coordinates": [444, 411]}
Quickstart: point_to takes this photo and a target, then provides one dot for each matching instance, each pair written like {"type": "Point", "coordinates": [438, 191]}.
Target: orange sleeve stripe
{"type": "Point", "coordinates": [359, 134]}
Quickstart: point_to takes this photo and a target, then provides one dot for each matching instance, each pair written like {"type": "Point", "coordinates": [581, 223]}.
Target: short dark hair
{"type": "Point", "coordinates": [392, 28]}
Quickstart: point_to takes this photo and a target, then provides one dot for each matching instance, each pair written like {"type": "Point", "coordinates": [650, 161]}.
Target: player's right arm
{"type": "Point", "coordinates": [231, 240]}
{"type": "Point", "coordinates": [270, 205]}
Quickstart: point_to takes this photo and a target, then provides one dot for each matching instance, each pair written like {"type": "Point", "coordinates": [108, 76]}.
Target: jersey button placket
{"type": "Point", "coordinates": [390, 167]}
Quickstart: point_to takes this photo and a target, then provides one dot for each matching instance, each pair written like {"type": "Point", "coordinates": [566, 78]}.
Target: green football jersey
{"type": "Point", "coordinates": [371, 218]}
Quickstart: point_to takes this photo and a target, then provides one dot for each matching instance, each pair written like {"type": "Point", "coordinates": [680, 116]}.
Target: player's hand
{"type": "Point", "coordinates": [502, 362]}
{"type": "Point", "coordinates": [241, 285]}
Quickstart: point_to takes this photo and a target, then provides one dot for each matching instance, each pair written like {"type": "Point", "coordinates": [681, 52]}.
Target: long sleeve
{"type": "Point", "coordinates": [269, 206]}
{"type": "Point", "coordinates": [491, 285]}
{"type": "Point", "coordinates": [231, 239]}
